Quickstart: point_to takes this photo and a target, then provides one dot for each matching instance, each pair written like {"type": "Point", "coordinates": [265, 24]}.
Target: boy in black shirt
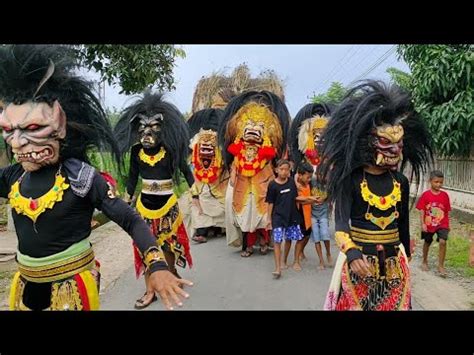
{"type": "Point", "coordinates": [284, 222]}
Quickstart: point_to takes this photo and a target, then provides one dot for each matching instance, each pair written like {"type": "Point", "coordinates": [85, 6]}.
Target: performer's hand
{"type": "Point", "coordinates": [318, 200]}
{"type": "Point", "coordinates": [197, 203]}
{"type": "Point", "coordinates": [424, 228]}
{"type": "Point", "coordinates": [167, 285]}
{"type": "Point", "coordinates": [127, 198]}
{"type": "Point", "coordinates": [361, 266]}
{"type": "Point", "coordinates": [298, 185]}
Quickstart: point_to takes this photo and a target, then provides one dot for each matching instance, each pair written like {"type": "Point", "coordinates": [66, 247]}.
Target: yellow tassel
{"type": "Point", "coordinates": [13, 291]}
{"type": "Point", "coordinates": [92, 290]}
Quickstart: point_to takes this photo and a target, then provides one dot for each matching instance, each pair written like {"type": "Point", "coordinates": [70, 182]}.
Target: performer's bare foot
{"type": "Point", "coordinates": [442, 271]}
{"type": "Point", "coordinates": [276, 274]}
{"type": "Point", "coordinates": [94, 223]}
{"type": "Point", "coordinates": [321, 267]}
{"type": "Point", "coordinates": [303, 257]}
{"type": "Point", "coordinates": [329, 257]}
{"type": "Point", "coordinates": [199, 239]}
{"type": "Point", "coordinates": [424, 267]}
{"type": "Point", "coordinates": [246, 253]}
{"type": "Point", "coordinates": [285, 266]}
{"type": "Point", "coordinates": [297, 267]}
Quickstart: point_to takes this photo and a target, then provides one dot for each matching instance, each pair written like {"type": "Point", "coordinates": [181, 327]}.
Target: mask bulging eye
{"type": "Point", "coordinates": [33, 127]}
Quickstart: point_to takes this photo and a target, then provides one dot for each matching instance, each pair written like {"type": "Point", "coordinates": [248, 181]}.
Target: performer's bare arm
{"type": "Point", "coordinates": [188, 175]}
{"type": "Point", "coordinates": [269, 215]}
{"type": "Point", "coordinates": [422, 221]}
{"type": "Point", "coordinates": [307, 200]}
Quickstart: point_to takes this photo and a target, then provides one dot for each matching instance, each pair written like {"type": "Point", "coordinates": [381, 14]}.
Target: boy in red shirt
{"type": "Point", "coordinates": [434, 206]}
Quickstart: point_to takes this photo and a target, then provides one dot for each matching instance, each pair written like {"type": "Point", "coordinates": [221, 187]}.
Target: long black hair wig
{"type": "Point", "coordinates": [346, 143]}
{"type": "Point", "coordinates": [45, 73]}
{"type": "Point", "coordinates": [174, 130]}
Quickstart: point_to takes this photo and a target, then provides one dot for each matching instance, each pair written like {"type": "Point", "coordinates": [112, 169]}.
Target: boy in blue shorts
{"type": "Point", "coordinates": [283, 214]}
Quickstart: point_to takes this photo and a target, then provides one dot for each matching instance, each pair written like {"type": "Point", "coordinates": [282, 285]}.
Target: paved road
{"type": "Point", "coordinates": [223, 280]}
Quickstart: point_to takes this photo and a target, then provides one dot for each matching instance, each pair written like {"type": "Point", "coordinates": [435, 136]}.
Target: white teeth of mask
{"type": "Point", "coordinates": [379, 159]}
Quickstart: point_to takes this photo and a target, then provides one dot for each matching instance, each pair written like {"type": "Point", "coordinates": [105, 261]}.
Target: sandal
{"type": "Point", "coordinates": [264, 249]}
{"type": "Point", "coordinates": [246, 253]}
{"type": "Point", "coordinates": [276, 275]}
{"type": "Point", "coordinates": [199, 239]}
{"type": "Point", "coordinates": [140, 304]}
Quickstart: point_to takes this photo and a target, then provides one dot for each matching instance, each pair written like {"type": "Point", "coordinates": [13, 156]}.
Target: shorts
{"type": "Point", "coordinates": [287, 233]}
{"type": "Point", "coordinates": [440, 233]}
{"type": "Point", "coordinates": [320, 228]}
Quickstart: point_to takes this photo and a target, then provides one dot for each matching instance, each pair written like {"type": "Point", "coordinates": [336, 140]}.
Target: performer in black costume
{"type": "Point", "coordinates": [373, 132]}
{"type": "Point", "coordinates": [159, 137]}
{"type": "Point", "coordinates": [50, 119]}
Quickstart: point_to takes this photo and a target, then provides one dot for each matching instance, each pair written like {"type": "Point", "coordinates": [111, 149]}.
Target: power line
{"type": "Point", "coordinates": [375, 65]}
{"type": "Point", "coordinates": [351, 81]}
{"type": "Point", "coordinates": [334, 68]}
{"type": "Point", "coordinates": [342, 67]}
{"type": "Point", "coordinates": [364, 57]}
{"type": "Point", "coordinates": [382, 70]}
{"type": "Point", "coordinates": [363, 60]}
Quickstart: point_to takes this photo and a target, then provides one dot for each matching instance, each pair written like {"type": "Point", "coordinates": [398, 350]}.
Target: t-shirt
{"type": "Point", "coordinates": [319, 211]}
{"type": "Point", "coordinates": [305, 209]}
{"type": "Point", "coordinates": [435, 209]}
{"type": "Point", "coordinates": [283, 198]}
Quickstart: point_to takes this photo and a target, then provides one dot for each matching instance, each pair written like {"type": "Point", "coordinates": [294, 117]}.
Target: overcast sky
{"type": "Point", "coordinates": [305, 69]}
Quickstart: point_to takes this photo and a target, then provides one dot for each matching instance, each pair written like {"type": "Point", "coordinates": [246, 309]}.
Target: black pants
{"type": "Point", "coordinates": [202, 231]}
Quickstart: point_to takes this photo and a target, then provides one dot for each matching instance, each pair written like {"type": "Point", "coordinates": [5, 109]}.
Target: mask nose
{"type": "Point", "coordinates": [17, 140]}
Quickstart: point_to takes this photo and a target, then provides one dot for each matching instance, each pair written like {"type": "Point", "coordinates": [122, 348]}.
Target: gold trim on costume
{"type": "Point", "coordinates": [174, 229]}
{"type": "Point", "coordinates": [60, 270]}
{"type": "Point", "coordinates": [153, 255]}
{"type": "Point", "coordinates": [382, 222]}
{"type": "Point", "coordinates": [393, 271]}
{"type": "Point", "coordinates": [367, 231]}
{"type": "Point", "coordinates": [361, 235]}
{"type": "Point", "coordinates": [155, 214]}
{"type": "Point", "coordinates": [157, 185]}
{"type": "Point", "coordinates": [152, 159]}
{"type": "Point", "coordinates": [33, 208]}
{"type": "Point", "coordinates": [383, 203]}
{"type": "Point", "coordinates": [65, 296]}
{"type": "Point", "coordinates": [344, 241]}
